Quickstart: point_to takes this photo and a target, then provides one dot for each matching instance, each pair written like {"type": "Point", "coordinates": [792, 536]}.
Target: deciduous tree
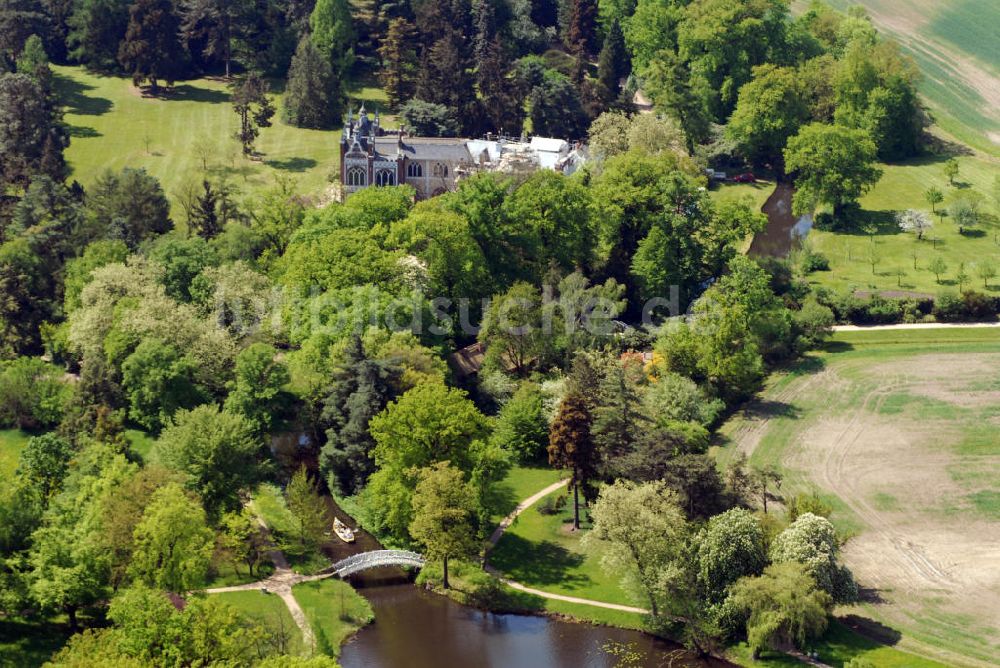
{"type": "Point", "coordinates": [173, 544]}
{"type": "Point", "coordinates": [444, 515]}
{"type": "Point", "coordinates": [645, 534]}
{"type": "Point", "coordinates": [833, 165]}
{"type": "Point", "coordinates": [784, 607]}
{"type": "Point", "coordinates": [217, 451]}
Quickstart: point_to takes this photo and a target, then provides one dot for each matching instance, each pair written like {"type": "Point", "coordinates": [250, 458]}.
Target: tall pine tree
{"type": "Point", "coordinates": [151, 50]}
{"type": "Point", "coordinates": [613, 63]}
{"type": "Point", "coordinates": [571, 446]}
{"type": "Point", "coordinates": [502, 106]}
{"type": "Point", "coordinates": [399, 62]}
{"type": "Point", "coordinates": [314, 97]}
{"type": "Point", "coordinates": [581, 32]}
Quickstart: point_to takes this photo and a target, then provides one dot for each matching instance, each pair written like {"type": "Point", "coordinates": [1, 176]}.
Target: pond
{"type": "Point", "coordinates": [417, 629]}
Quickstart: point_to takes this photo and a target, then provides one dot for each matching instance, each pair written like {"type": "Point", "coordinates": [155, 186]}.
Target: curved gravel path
{"type": "Point", "coordinates": [505, 524]}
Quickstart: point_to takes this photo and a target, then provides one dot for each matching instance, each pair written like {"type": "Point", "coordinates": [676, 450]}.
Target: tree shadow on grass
{"type": "Point", "coordinates": [541, 563]}
{"type": "Point", "coordinates": [73, 95]}
{"type": "Point", "coordinates": [871, 630]}
{"type": "Point", "coordinates": [292, 164]}
{"type": "Point", "coordinates": [189, 93]}
{"type": "Point", "coordinates": [82, 132]}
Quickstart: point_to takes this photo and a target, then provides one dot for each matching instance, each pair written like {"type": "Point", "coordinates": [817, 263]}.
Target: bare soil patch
{"type": "Point", "coordinates": [929, 555]}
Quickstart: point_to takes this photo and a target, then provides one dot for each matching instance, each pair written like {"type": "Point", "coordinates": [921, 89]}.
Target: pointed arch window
{"type": "Point", "coordinates": [440, 169]}
{"type": "Point", "coordinates": [385, 177]}
{"type": "Point", "coordinates": [414, 170]}
{"type": "Point", "coordinates": [356, 176]}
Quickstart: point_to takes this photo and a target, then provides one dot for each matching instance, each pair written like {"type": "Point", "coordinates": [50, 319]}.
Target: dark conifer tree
{"type": "Point", "coordinates": [399, 62]}
{"type": "Point", "coordinates": [151, 50]}
{"type": "Point", "coordinates": [446, 80]}
{"type": "Point", "coordinates": [314, 97]}
{"type": "Point", "coordinates": [254, 107]}
{"type": "Point", "coordinates": [32, 134]}
{"type": "Point", "coordinates": [361, 389]}
{"type": "Point", "coordinates": [96, 28]}
{"type": "Point", "coordinates": [572, 447]}
{"type": "Point", "coordinates": [501, 105]}
{"type": "Point", "coordinates": [613, 62]}
{"type": "Point", "coordinates": [581, 31]}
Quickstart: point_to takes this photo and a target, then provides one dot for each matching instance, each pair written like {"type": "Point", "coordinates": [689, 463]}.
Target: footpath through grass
{"type": "Point", "coordinates": [902, 187]}
{"type": "Point", "coordinates": [270, 611]}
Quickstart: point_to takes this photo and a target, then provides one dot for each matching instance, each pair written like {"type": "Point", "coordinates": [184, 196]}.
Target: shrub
{"type": "Point", "coordinates": [813, 261]}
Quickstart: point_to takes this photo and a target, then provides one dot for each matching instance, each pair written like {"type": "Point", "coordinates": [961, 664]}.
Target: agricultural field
{"type": "Point", "coordinates": [189, 133]}
{"type": "Point", "coordinates": [957, 46]}
{"type": "Point", "coordinates": [897, 431]}
{"type": "Point", "coordinates": [901, 187]}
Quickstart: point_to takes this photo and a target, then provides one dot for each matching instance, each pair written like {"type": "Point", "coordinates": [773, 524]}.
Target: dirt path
{"type": "Point", "coordinates": [505, 524]}
{"type": "Point", "coordinates": [521, 507]}
{"type": "Point", "coordinates": [281, 583]}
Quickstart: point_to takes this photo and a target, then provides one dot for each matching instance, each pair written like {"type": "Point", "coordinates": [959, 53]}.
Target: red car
{"type": "Point", "coordinates": [745, 178]}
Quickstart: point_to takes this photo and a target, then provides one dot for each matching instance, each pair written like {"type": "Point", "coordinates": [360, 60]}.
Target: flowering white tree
{"type": "Point", "coordinates": [912, 220]}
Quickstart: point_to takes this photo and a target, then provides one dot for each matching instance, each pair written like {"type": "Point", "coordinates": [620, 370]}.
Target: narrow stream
{"type": "Point", "coordinates": [784, 229]}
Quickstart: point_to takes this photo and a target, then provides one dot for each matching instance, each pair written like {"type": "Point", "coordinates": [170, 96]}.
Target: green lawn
{"type": "Point", "coordinates": [269, 610]}
{"type": "Point", "coordinates": [141, 443]}
{"type": "Point", "coordinates": [12, 441]}
{"type": "Point", "coordinates": [112, 126]}
{"type": "Point", "coordinates": [334, 610]}
{"type": "Point", "coordinates": [540, 552]}
{"type": "Point", "coordinates": [902, 187]}
{"type": "Point", "coordinates": [896, 430]}
{"type": "Point", "coordinates": [270, 504]}
{"type": "Point", "coordinates": [836, 648]}
{"type": "Point", "coordinates": [522, 482]}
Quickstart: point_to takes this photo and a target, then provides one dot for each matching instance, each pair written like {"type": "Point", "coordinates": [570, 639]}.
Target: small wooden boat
{"type": "Point", "coordinates": [344, 532]}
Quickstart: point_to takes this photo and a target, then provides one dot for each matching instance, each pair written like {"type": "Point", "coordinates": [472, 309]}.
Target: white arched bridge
{"type": "Point", "coordinates": [376, 559]}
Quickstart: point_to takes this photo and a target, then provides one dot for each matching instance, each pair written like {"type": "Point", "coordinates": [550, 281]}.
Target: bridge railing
{"type": "Point", "coordinates": [376, 559]}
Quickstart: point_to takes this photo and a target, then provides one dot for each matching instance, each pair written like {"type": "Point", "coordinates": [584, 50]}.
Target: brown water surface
{"type": "Point", "coordinates": [417, 629]}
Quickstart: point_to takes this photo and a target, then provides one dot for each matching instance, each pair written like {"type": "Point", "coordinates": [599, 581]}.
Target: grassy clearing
{"type": "Point", "coordinates": [539, 551]}
{"type": "Point", "coordinates": [112, 127]}
{"type": "Point", "coordinates": [12, 442]}
{"type": "Point", "coordinates": [270, 611]}
{"type": "Point", "coordinates": [269, 503]}
{"type": "Point", "coordinates": [896, 430]}
{"type": "Point", "coordinates": [334, 610]}
{"type": "Point", "coordinates": [141, 443]}
{"type": "Point", "coordinates": [902, 187]}
{"type": "Point", "coordinates": [520, 483]}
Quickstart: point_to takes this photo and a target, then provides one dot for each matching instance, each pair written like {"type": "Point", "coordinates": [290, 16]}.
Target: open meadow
{"type": "Point", "coordinates": [901, 262]}
{"type": "Point", "coordinates": [897, 431]}
{"type": "Point", "coordinates": [187, 133]}
{"type": "Point", "coordinates": [957, 47]}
